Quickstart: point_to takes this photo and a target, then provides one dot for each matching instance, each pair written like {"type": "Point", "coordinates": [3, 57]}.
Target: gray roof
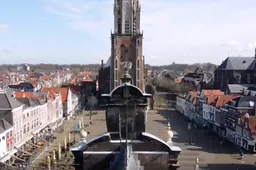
{"type": "Point", "coordinates": [7, 115]}
{"type": "Point", "coordinates": [236, 63]}
{"type": "Point", "coordinates": [108, 63]}
{"type": "Point", "coordinates": [29, 102]}
{"type": "Point", "coordinates": [8, 102]}
{"type": "Point", "coordinates": [238, 88]}
{"type": "Point", "coordinates": [252, 66]}
{"type": "Point", "coordinates": [245, 101]}
{"type": "Point", "coordinates": [4, 125]}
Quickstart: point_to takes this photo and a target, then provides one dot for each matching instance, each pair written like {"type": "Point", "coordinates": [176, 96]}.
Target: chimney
{"type": "Point", "coordinates": [102, 63]}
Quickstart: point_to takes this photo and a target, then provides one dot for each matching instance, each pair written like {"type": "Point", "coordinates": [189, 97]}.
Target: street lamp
{"type": "Point", "coordinates": [190, 135]}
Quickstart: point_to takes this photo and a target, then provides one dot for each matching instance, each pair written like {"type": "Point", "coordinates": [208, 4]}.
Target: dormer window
{"type": "Point", "coordinates": [251, 103]}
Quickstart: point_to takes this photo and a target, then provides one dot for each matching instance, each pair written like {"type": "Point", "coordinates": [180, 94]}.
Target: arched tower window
{"type": "Point", "coordinates": [115, 63]}
{"type": "Point", "coordinates": [123, 53]}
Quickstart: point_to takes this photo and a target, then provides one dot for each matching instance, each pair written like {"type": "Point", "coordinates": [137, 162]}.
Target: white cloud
{"type": "Point", "coordinates": [253, 45]}
{"type": "Point", "coordinates": [3, 26]}
{"type": "Point", "coordinates": [232, 42]}
{"type": "Point", "coordinates": [171, 28]}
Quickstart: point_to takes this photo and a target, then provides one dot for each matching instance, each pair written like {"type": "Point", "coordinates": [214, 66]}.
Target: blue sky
{"type": "Point", "coordinates": [78, 31]}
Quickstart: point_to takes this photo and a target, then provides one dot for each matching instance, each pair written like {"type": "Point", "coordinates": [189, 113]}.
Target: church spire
{"type": "Point", "coordinates": [126, 17]}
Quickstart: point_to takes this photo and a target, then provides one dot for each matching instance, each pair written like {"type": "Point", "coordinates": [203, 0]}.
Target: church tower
{"type": "Point", "coordinates": [126, 43]}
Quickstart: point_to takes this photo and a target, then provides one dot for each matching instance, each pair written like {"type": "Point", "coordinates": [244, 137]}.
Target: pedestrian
{"type": "Point", "coordinates": [241, 154]}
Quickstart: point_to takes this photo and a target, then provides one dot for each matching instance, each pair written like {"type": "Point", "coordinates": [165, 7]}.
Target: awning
{"type": "Point", "coordinates": [23, 151]}
{"type": "Point", "coordinates": [40, 138]}
{"type": "Point", "coordinates": [18, 158]}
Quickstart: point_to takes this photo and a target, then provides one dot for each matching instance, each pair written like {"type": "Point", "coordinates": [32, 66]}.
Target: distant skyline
{"type": "Point", "coordinates": [78, 31]}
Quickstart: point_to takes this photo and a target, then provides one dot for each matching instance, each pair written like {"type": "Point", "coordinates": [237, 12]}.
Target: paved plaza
{"type": "Point", "coordinates": [212, 155]}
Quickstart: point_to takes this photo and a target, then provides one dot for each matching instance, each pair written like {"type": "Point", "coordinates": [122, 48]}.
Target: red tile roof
{"type": "Point", "coordinates": [24, 94]}
{"type": "Point", "coordinates": [62, 90]}
{"type": "Point", "coordinates": [221, 100]}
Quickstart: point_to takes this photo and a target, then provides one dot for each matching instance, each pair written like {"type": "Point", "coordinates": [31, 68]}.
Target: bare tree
{"type": "Point", "coordinates": [167, 85]}
{"type": "Point", "coordinates": [92, 102]}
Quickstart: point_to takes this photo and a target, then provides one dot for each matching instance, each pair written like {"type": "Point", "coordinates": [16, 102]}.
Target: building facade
{"type": "Point", "coordinates": [6, 138]}
{"type": "Point", "coordinates": [230, 117]}
{"type": "Point", "coordinates": [235, 70]}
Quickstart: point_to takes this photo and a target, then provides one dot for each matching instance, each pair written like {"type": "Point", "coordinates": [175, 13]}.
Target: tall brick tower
{"type": "Point", "coordinates": [126, 43]}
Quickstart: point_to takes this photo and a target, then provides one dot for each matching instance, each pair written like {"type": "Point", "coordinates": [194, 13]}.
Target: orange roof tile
{"type": "Point", "coordinates": [194, 94]}
{"type": "Point", "coordinates": [223, 99]}
{"type": "Point", "coordinates": [212, 92]}
{"type": "Point", "coordinates": [47, 78]}
{"type": "Point", "coordinates": [211, 99]}
{"type": "Point", "coordinates": [62, 90]}
{"type": "Point", "coordinates": [29, 95]}
{"type": "Point", "coordinates": [24, 94]}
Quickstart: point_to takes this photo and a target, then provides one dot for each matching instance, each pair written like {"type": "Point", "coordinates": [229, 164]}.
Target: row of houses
{"type": "Point", "coordinates": [28, 121]}
{"type": "Point", "coordinates": [33, 81]}
{"type": "Point", "coordinates": [231, 117]}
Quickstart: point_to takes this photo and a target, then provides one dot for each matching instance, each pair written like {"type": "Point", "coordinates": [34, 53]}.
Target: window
{"type": "Point", "coordinates": [11, 145]}
{"type": "Point", "coordinates": [116, 74]}
{"type": "Point", "coordinates": [10, 133]}
{"type": "Point", "coordinates": [138, 64]}
{"type": "Point", "coordinates": [7, 136]}
{"type": "Point", "coordinates": [246, 124]}
{"type": "Point", "coordinates": [116, 83]}
{"type": "Point", "coordinates": [24, 116]}
{"type": "Point", "coordinates": [20, 134]}
{"type": "Point", "coordinates": [116, 63]}
{"type": "Point", "coordinates": [119, 27]}
{"type": "Point", "coordinates": [239, 121]}
{"type": "Point", "coordinates": [137, 83]}
{"type": "Point", "coordinates": [127, 27]}
{"type": "Point", "coordinates": [24, 129]}
{"type": "Point", "coordinates": [138, 74]}
{"type": "Point", "coordinates": [28, 114]}
{"type": "Point", "coordinates": [28, 128]}
{"type": "Point", "coordinates": [8, 147]}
